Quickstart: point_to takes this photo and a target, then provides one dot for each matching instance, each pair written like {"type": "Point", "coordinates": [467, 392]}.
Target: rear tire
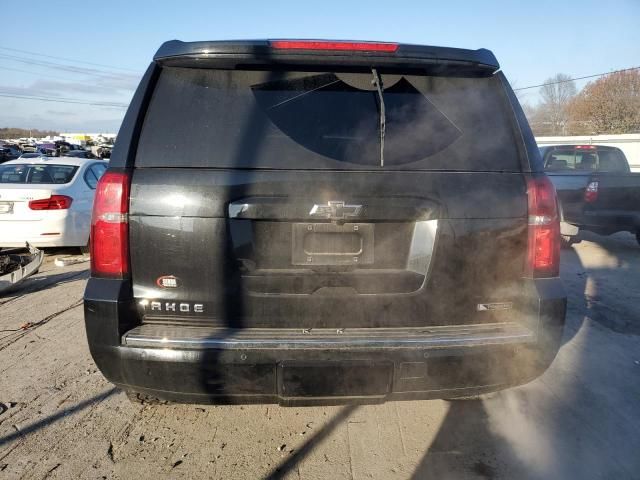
{"type": "Point", "coordinates": [638, 237]}
{"type": "Point", "coordinates": [85, 250]}
{"type": "Point", "coordinates": [143, 399]}
{"type": "Point", "coordinates": [480, 396]}
{"type": "Point", "coordinates": [567, 240]}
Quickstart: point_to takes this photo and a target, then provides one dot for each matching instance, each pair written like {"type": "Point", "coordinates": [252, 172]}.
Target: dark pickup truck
{"type": "Point", "coordinates": [596, 190]}
{"type": "Point", "coordinates": [323, 222]}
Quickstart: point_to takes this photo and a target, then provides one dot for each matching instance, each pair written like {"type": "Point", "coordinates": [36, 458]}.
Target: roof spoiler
{"type": "Point", "coordinates": [228, 54]}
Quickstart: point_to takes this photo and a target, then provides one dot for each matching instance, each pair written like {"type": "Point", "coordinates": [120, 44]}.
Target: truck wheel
{"type": "Point", "coordinates": [638, 236]}
{"type": "Point", "coordinates": [472, 398]}
{"type": "Point", "coordinates": [567, 240]}
{"type": "Point", "coordinates": [143, 399]}
{"type": "Point", "coordinates": [85, 250]}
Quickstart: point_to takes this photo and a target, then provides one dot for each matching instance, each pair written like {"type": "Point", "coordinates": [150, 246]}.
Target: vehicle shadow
{"type": "Point", "coordinates": [596, 291]}
{"type": "Point", "coordinates": [293, 461]}
{"type": "Point", "coordinates": [466, 447]}
{"type": "Point", "coordinates": [49, 420]}
{"type": "Point", "coordinates": [239, 372]}
{"type": "Point", "coordinates": [51, 251]}
{"type": "Point", "coordinates": [42, 282]}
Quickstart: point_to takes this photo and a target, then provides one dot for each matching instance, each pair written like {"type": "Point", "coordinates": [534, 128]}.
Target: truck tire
{"type": "Point", "coordinates": [473, 398]}
{"type": "Point", "coordinates": [85, 249]}
{"type": "Point", "coordinates": [638, 236]}
{"type": "Point", "coordinates": [143, 399]}
{"type": "Point", "coordinates": [567, 240]}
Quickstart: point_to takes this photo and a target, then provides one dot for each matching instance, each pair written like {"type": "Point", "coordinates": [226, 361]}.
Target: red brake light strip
{"type": "Point", "coordinates": [334, 45]}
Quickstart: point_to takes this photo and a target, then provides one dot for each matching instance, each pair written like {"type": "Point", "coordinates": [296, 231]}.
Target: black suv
{"type": "Point", "coordinates": [323, 222]}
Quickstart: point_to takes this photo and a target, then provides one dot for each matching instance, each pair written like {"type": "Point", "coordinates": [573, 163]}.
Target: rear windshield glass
{"type": "Point", "coordinates": [580, 159]}
{"type": "Point", "coordinates": [23, 173]}
{"type": "Point", "coordinates": [325, 120]}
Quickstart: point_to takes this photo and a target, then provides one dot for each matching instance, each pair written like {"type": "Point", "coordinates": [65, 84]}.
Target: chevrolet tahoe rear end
{"type": "Point", "coordinates": [323, 222]}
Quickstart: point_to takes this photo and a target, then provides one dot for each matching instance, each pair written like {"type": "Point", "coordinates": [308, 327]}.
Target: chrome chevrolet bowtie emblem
{"type": "Point", "coordinates": [335, 210]}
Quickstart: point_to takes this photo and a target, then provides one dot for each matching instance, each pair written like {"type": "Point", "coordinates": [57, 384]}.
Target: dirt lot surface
{"type": "Point", "coordinates": [59, 418]}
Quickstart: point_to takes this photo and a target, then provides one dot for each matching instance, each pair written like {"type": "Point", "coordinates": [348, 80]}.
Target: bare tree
{"type": "Point", "coordinates": [610, 104]}
{"type": "Point", "coordinates": [552, 113]}
{"type": "Point", "coordinates": [529, 110]}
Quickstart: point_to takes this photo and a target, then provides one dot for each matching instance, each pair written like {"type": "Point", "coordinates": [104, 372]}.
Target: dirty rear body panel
{"type": "Point", "coordinates": [321, 227]}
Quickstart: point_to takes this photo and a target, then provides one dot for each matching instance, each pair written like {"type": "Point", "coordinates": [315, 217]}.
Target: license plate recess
{"type": "Point", "coordinates": [332, 244]}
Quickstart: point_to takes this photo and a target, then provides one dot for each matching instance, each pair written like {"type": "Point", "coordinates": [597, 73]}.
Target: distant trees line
{"type": "Point", "coordinates": [24, 132]}
{"type": "Point", "coordinates": [608, 105]}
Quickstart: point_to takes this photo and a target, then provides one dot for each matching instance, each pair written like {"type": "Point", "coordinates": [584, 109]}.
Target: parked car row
{"type": "Point", "coordinates": [11, 151]}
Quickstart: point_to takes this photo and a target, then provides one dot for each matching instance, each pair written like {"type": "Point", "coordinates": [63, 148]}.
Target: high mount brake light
{"type": "Point", "coordinates": [55, 202]}
{"type": "Point", "coordinates": [591, 192]}
{"type": "Point", "coordinates": [110, 227]}
{"type": "Point", "coordinates": [543, 256]}
{"type": "Point", "coordinates": [586, 147]}
{"type": "Point", "coordinates": [333, 45]}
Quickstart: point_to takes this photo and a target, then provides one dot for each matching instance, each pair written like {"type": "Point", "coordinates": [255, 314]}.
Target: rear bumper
{"type": "Point", "coordinates": [290, 368]}
{"type": "Point", "coordinates": [609, 221]}
{"type": "Point", "coordinates": [64, 231]}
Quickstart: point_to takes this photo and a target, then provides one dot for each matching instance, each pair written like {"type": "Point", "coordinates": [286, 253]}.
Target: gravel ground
{"type": "Point", "coordinates": [59, 418]}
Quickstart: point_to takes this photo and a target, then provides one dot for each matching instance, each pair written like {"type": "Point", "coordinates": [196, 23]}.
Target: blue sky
{"type": "Point", "coordinates": [532, 40]}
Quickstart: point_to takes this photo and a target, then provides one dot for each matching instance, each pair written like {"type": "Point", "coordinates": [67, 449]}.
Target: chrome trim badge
{"type": "Point", "coordinates": [483, 307]}
{"type": "Point", "coordinates": [335, 210]}
{"type": "Point", "coordinates": [168, 281]}
{"type": "Point", "coordinates": [173, 307]}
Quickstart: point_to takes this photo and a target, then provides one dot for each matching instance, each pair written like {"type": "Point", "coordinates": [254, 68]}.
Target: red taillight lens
{"type": "Point", "coordinates": [110, 227]}
{"type": "Point", "coordinates": [543, 258]}
{"type": "Point", "coordinates": [591, 192]}
{"type": "Point", "coordinates": [55, 202]}
{"type": "Point", "coordinates": [329, 45]}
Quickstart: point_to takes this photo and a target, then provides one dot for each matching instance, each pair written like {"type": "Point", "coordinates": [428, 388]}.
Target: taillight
{"type": "Point", "coordinates": [334, 45]}
{"type": "Point", "coordinates": [543, 257]}
{"type": "Point", "coordinates": [591, 192]}
{"type": "Point", "coordinates": [54, 202]}
{"type": "Point", "coordinates": [110, 227]}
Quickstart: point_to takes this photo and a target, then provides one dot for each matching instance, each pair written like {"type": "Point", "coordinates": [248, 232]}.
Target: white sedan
{"type": "Point", "coordinates": [47, 201]}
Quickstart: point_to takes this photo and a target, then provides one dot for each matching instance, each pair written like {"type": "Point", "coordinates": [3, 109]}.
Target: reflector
{"type": "Point", "coordinates": [591, 192]}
